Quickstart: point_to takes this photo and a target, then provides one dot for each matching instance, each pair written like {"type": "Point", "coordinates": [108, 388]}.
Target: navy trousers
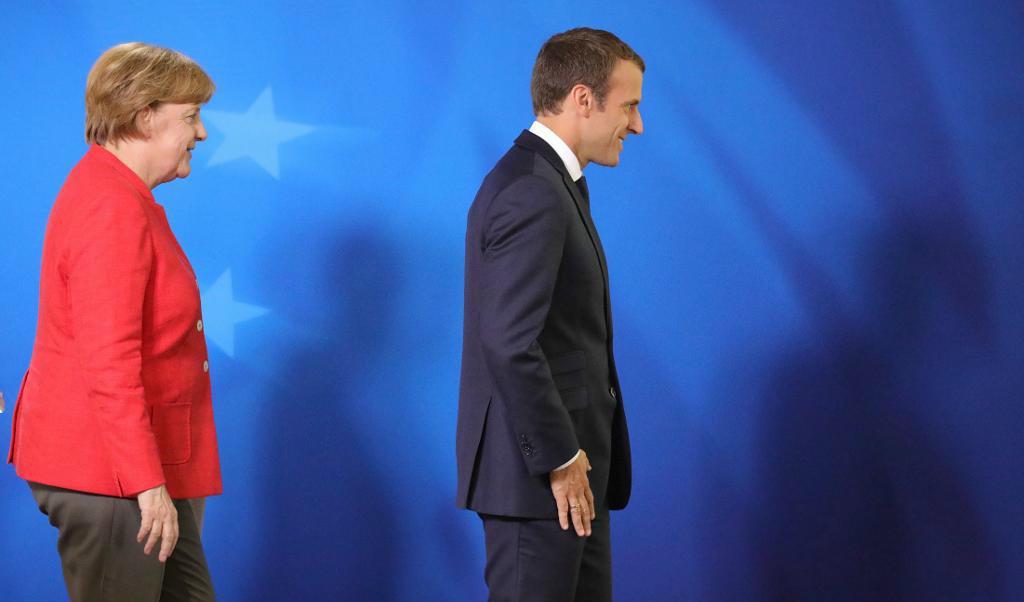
{"type": "Point", "coordinates": [536, 561]}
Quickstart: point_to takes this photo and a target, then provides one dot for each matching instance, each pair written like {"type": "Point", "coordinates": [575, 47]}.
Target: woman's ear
{"type": "Point", "coordinates": [144, 121]}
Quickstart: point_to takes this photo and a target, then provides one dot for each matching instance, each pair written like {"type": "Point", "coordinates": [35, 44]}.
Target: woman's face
{"type": "Point", "coordinates": [174, 131]}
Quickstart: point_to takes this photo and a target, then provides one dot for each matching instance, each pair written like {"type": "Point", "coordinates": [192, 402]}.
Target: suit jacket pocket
{"type": "Point", "coordinates": [575, 398]}
{"type": "Point", "coordinates": [172, 427]}
{"type": "Point", "coordinates": [567, 362]}
{"type": "Point", "coordinates": [567, 371]}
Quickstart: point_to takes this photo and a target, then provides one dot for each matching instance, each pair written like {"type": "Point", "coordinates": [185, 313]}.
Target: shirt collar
{"type": "Point", "coordinates": [564, 152]}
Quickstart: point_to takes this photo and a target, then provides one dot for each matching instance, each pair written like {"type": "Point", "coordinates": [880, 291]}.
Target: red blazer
{"type": "Point", "coordinates": [116, 399]}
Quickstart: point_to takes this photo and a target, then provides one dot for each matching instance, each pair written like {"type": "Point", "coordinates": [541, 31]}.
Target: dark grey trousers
{"type": "Point", "coordinates": [536, 561]}
{"type": "Point", "coordinates": [102, 562]}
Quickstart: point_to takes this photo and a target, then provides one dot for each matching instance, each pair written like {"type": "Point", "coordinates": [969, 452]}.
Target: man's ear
{"type": "Point", "coordinates": [582, 100]}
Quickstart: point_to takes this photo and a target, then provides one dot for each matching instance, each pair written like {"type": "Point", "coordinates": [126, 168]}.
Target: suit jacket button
{"type": "Point", "coordinates": [206, 365]}
{"type": "Point", "coordinates": [199, 325]}
{"type": "Point", "coordinates": [611, 391]}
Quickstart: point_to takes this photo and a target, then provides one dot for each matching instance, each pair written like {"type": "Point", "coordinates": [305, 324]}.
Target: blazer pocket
{"type": "Point", "coordinates": [567, 362]}
{"type": "Point", "coordinates": [574, 399]}
{"type": "Point", "coordinates": [567, 370]}
{"type": "Point", "coordinates": [172, 427]}
{"type": "Point", "coordinates": [14, 421]}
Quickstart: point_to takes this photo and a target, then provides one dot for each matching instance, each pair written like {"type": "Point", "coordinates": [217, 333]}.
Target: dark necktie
{"type": "Point", "coordinates": [584, 190]}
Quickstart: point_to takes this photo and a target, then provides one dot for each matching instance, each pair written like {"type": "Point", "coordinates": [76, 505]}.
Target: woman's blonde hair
{"type": "Point", "coordinates": [130, 77]}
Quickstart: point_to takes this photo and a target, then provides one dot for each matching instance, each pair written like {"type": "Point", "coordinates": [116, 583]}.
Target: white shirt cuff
{"type": "Point", "coordinates": [566, 465]}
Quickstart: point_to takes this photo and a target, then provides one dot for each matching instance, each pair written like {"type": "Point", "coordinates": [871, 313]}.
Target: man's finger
{"type": "Point", "coordinates": [585, 513]}
{"type": "Point", "coordinates": [590, 503]}
{"type": "Point", "coordinates": [577, 516]}
{"type": "Point", "coordinates": [563, 510]}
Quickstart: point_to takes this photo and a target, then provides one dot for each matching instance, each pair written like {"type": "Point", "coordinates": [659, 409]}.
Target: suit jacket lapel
{"type": "Point", "coordinates": [584, 210]}
{"type": "Point", "coordinates": [536, 144]}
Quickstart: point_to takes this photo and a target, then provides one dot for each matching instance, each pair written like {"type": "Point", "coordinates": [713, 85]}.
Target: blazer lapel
{"type": "Point", "coordinates": [584, 212]}
{"type": "Point", "coordinates": [536, 144]}
{"type": "Point", "coordinates": [588, 222]}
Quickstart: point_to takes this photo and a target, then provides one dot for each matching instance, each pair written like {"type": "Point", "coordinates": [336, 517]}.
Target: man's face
{"type": "Point", "coordinates": [606, 128]}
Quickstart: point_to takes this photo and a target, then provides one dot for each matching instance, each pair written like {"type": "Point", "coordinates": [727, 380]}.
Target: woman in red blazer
{"type": "Point", "coordinates": [113, 427]}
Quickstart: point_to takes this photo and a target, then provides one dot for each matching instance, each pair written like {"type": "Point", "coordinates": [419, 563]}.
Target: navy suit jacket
{"type": "Point", "coordinates": [538, 373]}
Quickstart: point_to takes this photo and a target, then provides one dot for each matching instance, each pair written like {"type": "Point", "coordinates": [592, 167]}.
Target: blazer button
{"type": "Point", "coordinates": [199, 325]}
{"type": "Point", "coordinates": [611, 391]}
{"type": "Point", "coordinates": [206, 365]}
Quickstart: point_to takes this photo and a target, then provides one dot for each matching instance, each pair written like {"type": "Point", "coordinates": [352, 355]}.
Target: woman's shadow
{"type": "Point", "coordinates": [330, 524]}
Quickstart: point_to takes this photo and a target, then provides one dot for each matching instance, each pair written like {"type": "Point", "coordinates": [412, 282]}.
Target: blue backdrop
{"type": "Point", "coordinates": [816, 271]}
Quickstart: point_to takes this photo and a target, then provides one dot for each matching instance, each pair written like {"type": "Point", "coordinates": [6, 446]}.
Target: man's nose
{"type": "Point", "coordinates": [636, 123]}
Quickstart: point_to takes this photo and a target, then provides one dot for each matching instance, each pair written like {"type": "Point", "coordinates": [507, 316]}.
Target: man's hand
{"type": "Point", "coordinates": [571, 489]}
{"type": "Point", "coordinates": [159, 521]}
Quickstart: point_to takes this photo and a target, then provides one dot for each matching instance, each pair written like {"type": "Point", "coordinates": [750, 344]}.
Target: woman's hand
{"type": "Point", "coordinates": [159, 521]}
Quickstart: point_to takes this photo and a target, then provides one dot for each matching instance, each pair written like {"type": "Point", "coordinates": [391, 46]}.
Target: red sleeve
{"type": "Point", "coordinates": [109, 259]}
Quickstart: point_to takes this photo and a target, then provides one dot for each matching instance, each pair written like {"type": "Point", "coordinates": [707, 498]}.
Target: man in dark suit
{"type": "Point", "coordinates": [542, 444]}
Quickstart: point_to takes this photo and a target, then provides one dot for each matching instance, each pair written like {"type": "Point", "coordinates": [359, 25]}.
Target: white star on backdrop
{"type": "Point", "coordinates": [222, 313]}
{"type": "Point", "coordinates": [255, 134]}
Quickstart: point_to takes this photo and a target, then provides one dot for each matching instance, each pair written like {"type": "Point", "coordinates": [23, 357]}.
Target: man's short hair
{"type": "Point", "coordinates": [130, 77]}
{"type": "Point", "coordinates": [578, 56]}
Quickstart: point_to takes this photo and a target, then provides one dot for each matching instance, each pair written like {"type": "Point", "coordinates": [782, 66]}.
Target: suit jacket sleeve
{"type": "Point", "coordinates": [523, 236]}
{"type": "Point", "coordinates": [109, 260]}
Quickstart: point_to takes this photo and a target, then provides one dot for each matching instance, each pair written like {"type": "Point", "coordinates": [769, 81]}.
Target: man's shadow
{"type": "Point", "coordinates": [861, 498]}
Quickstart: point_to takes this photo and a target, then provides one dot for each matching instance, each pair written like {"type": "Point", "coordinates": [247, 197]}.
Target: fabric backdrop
{"type": "Point", "coordinates": [816, 268]}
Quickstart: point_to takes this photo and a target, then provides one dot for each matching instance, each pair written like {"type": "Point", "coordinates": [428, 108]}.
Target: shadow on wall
{"type": "Point", "coordinates": [861, 499]}
{"type": "Point", "coordinates": [329, 527]}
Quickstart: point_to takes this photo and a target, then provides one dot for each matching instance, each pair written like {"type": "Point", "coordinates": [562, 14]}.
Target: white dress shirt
{"type": "Point", "coordinates": [564, 152]}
